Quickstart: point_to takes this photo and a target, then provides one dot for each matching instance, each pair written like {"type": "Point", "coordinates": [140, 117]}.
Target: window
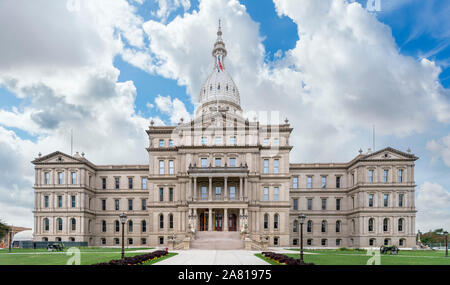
{"type": "Point", "coordinates": [46, 201]}
{"type": "Point", "coordinates": [266, 141]}
{"type": "Point", "coordinates": [295, 182]}
{"type": "Point", "coordinates": [353, 202]}
{"type": "Point", "coordinates": [171, 142]}
{"type": "Point", "coordinates": [353, 178]}
{"type": "Point", "coordinates": [266, 166]}
{"type": "Point", "coordinates": [370, 225]}
{"type": "Point", "coordinates": [295, 204]}
{"type": "Point", "coordinates": [400, 175]}
{"type": "Point", "coordinates": [370, 200]}
{"type": "Point", "coordinates": [130, 226]}
{"type": "Point", "coordinates": [117, 204]}
{"type": "Point", "coordinates": [161, 194]}
{"type": "Point", "coordinates": [400, 225]}
{"type": "Point", "coordinates": [386, 200]}
{"type": "Point", "coordinates": [72, 239]}
{"type": "Point", "coordinates": [218, 192]}
{"type": "Point", "coordinates": [117, 182]}
{"type": "Point", "coordinates": [266, 193]}
{"type": "Point", "coordinates": [338, 204]}
{"type": "Point", "coordinates": [60, 178]}
{"type": "Point", "coordinates": [309, 242]}
{"type": "Point", "coordinates": [144, 183]}
{"type": "Point", "coordinates": [266, 221]}
{"type": "Point", "coordinates": [338, 182]}
{"type": "Point", "coordinates": [143, 241]}
{"type": "Point", "coordinates": [203, 162]}
{"type": "Point", "coordinates": [275, 141]}
{"type": "Point", "coordinates": [74, 178]}
{"type": "Point", "coordinates": [275, 241]}
{"type": "Point", "coordinates": [205, 194]}
{"type": "Point", "coordinates": [130, 183]}
{"type": "Point", "coordinates": [218, 140]}
{"type": "Point", "coordinates": [232, 162]}
{"type": "Point", "coordinates": [103, 183]}
{"type": "Point", "coordinates": [170, 221]}
{"type": "Point", "coordinates": [117, 226]}
{"type": "Point", "coordinates": [370, 176]}
{"type": "Point", "coordinates": [130, 241]}
{"type": "Point", "coordinates": [171, 194]}
{"type": "Point", "coordinates": [338, 226]}
{"type": "Point", "coordinates": [324, 182]}
{"type": "Point", "coordinates": [400, 200]}
{"type": "Point", "coordinates": [401, 242]}
{"type": "Point", "coordinates": [171, 170]}
{"type": "Point", "coordinates": [116, 241]}
{"type": "Point", "coordinates": [60, 202]}
{"type": "Point", "coordinates": [130, 204]}
{"type": "Point", "coordinates": [104, 226]}
{"type": "Point", "coordinates": [46, 224]}
{"type": "Point", "coordinates": [309, 204]}
{"type": "Point", "coordinates": [275, 221]}
{"type": "Point", "coordinates": [161, 143]}
{"type": "Point", "coordinates": [295, 241]}
{"type": "Point", "coordinates": [232, 193]}
{"type": "Point", "coordinates": [324, 204]}
{"type": "Point", "coordinates": [386, 241]}
{"type": "Point", "coordinates": [60, 224]}
{"type": "Point", "coordinates": [324, 242]}
{"type": "Point", "coordinates": [161, 221]}
{"type": "Point", "coordinates": [385, 225]}
{"type": "Point", "coordinates": [232, 140]}
{"type": "Point", "coordinates": [47, 178]}
{"type": "Point", "coordinates": [324, 226]}
{"type": "Point", "coordinates": [144, 204]}
{"type": "Point", "coordinates": [218, 162]}
{"type": "Point", "coordinates": [161, 240]}
{"type": "Point", "coordinates": [204, 140]}
{"type": "Point", "coordinates": [144, 226]}
{"type": "Point", "coordinates": [103, 241]}
{"type": "Point", "coordinates": [338, 242]}
{"type": "Point", "coordinates": [309, 182]}
{"type": "Point", "coordinates": [161, 167]}
{"type": "Point", "coordinates": [295, 226]}
{"type": "Point", "coordinates": [385, 175]}
{"type": "Point", "coordinates": [275, 166]}
{"type": "Point", "coordinates": [103, 205]}
{"type": "Point", "coordinates": [353, 226]}
{"type": "Point", "coordinates": [275, 194]}
{"type": "Point", "coordinates": [372, 242]}
{"type": "Point", "coordinates": [309, 226]}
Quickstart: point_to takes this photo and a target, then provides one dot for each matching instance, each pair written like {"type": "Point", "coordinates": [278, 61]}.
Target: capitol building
{"type": "Point", "coordinates": [221, 175]}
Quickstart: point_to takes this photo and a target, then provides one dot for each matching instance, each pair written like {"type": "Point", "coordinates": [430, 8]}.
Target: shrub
{"type": "Point", "coordinates": [136, 260]}
{"type": "Point", "coordinates": [283, 259]}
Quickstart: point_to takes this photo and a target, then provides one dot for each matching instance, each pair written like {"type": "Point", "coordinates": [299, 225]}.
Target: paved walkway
{"type": "Point", "coordinates": [214, 257]}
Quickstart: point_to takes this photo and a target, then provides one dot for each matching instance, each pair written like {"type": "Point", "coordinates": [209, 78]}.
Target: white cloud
{"type": "Point", "coordinates": [440, 149]}
{"type": "Point", "coordinates": [166, 7]}
{"type": "Point", "coordinates": [433, 206]}
{"type": "Point", "coordinates": [174, 108]}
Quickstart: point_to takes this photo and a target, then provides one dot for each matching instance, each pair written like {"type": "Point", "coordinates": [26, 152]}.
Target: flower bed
{"type": "Point", "coordinates": [284, 259]}
{"type": "Point", "coordinates": [136, 260]}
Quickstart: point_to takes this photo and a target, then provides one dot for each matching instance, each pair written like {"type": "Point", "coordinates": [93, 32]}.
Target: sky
{"type": "Point", "coordinates": [335, 68]}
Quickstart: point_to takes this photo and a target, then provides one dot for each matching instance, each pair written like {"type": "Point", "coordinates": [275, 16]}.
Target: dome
{"type": "Point", "coordinates": [23, 235]}
{"type": "Point", "coordinates": [219, 92]}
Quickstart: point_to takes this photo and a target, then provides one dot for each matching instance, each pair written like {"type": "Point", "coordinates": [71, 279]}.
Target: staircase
{"type": "Point", "coordinates": [217, 241]}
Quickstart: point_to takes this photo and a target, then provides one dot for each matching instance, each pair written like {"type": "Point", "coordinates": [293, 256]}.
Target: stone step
{"type": "Point", "coordinates": [217, 241]}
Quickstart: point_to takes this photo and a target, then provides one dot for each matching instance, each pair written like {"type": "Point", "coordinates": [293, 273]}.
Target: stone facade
{"type": "Point", "coordinates": [221, 172]}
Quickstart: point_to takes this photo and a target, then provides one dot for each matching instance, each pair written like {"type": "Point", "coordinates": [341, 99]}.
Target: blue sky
{"type": "Point", "coordinates": [110, 77]}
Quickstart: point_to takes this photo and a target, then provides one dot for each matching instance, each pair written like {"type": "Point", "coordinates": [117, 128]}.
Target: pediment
{"type": "Point", "coordinates": [57, 157]}
{"type": "Point", "coordinates": [389, 154]}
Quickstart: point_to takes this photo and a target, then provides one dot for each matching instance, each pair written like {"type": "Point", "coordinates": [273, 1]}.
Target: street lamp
{"type": "Point", "coordinates": [301, 219]}
{"type": "Point", "coordinates": [10, 233]}
{"type": "Point", "coordinates": [446, 243]}
{"type": "Point", "coordinates": [123, 220]}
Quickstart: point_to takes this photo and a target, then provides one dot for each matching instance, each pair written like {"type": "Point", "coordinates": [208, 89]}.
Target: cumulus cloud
{"type": "Point", "coordinates": [433, 206]}
{"type": "Point", "coordinates": [440, 149]}
{"type": "Point", "coordinates": [174, 108]}
{"type": "Point", "coordinates": [166, 7]}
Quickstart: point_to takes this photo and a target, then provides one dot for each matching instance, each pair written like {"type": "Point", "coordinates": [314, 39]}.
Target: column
{"type": "Point", "coordinates": [225, 186]}
{"type": "Point", "coordinates": [190, 189]}
{"type": "Point", "coordinates": [240, 188]}
{"type": "Point", "coordinates": [246, 189]}
{"type": "Point", "coordinates": [195, 188]}
{"type": "Point", "coordinates": [257, 220]}
{"type": "Point", "coordinates": [246, 219]}
{"type": "Point", "coordinates": [225, 219]}
{"type": "Point", "coordinates": [240, 219]}
{"type": "Point", "coordinates": [210, 219]}
{"type": "Point", "coordinates": [210, 189]}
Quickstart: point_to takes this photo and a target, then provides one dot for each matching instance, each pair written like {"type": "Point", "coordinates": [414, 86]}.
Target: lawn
{"type": "Point", "coordinates": [87, 256]}
{"type": "Point", "coordinates": [334, 257]}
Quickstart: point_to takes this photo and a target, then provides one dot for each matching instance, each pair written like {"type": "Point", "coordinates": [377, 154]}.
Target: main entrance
{"type": "Point", "coordinates": [232, 219]}
{"type": "Point", "coordinates": [218, 222]}
{"type": "Point", "coordinates": [204, 221]}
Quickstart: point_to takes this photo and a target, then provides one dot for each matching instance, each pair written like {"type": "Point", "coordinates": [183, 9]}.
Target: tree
{"type": "Point", "coordinates": [3, 229]}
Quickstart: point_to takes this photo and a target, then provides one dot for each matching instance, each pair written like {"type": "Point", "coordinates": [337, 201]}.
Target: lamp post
{"type": "Point", "coordinates": [446, 243]}
{"type": "Point", "coordinates": [10, 233]}
{"type": "Point", "coordinates": [123, 220]}
{"type": "Point", "coordinates": [301, 219]}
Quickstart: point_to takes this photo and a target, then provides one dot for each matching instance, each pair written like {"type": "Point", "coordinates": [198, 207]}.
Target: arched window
{"type": "Point", "coordinates": [402, 242]}
{"type": "Point", "coordinates": [104, 226]}
{"type": "Point", "coordinates": [130, 226]}
{"type": "Point", "coordinates": [74, 224]}
{"type": "Point", "coordinates": [324, 226]}
{"type": "Point", "coordinates": [309, 226]}
{"type": "Point", "coordinates": [161, 221]}
{"type": "Point", "coordinates": [46, 224]}
{"type": "Point", "coordinates": [60, 224]}
{"type": "Point", "coordinates": [385, 224]}
{"type": "Point", "coordinates": [338, 226]}
{"type": "Point", "coordinates": [117, 226]}
{"type": "Point", "coordinates": [170, 221]}
{"type": "Point", "coordinates": [295, 226]}
{"type": "Point", "coordinates": [371, 225]}
{"type": "Point", "coordinates": [266, 221]}
{"type": "Point", "coordinates": [144, 226]}
{"type": "Point", "coordinates": [275, 221]}
{"type": "Point", "coordinates": [353, 226]}
{"type": "Point", "coordinates": [400, 225]}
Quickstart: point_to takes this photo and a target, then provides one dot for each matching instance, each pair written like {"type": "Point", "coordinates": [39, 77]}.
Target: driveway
{"type": "Point", "coordinates": [214, 257]}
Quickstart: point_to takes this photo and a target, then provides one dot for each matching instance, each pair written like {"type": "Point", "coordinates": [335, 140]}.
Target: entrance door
{"type": "Point", "coordinates": [203, 221]}
{"type": "Point", "coordinates": [232, 222]}
{"type": "Point", "coordinates": [218, 222]}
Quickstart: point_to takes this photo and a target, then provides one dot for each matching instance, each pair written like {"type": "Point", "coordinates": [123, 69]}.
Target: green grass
{"type": "Point", "coordinates": [42, 257]}
{"type": "Point", "coordinates": [334, 257]}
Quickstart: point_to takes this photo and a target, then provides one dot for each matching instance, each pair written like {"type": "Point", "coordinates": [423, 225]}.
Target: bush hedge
{"type": "Point", "coordinates": [136, 260]}
{"type": "Point", "coordinates": [284, 259]}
